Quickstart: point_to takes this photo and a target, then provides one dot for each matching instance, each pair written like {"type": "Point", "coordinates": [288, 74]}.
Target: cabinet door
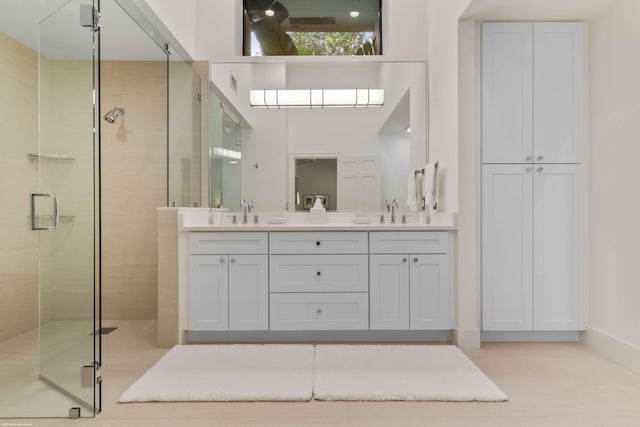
{"type": "Point", "coordinates": [558, 81]}
{"type": "Point", "coordinates": [248, 292]}
{"type": "Point", "coordinates": [208, 293]}
{"type": "Point", "coordinates": [558, 247]}
{"type": "Point", "coordinates": [507, 93]}
{"type": "Point", "coordinates": [360, 183]}
{"type": "Point", "coordinates": [429, 292]}
{"type": "Point", "coordinates": [507, 242]}
{"type": "Point", "coordinates": [389, 291]}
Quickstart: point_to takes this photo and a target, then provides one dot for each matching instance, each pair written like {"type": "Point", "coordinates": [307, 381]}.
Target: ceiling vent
{"type": "Point", "coordinates": [322, 20]}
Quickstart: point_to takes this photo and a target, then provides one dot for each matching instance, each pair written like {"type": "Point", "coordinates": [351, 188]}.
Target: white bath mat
{"type": "Point", "coordinates": [227, 373]}
{"type": "Point", "coordinates": [399, 372]}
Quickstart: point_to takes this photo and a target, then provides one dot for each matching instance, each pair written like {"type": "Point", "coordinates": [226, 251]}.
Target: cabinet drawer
{"type": "Point", "coordinates": [319, 312]}
{"type": "Point", "coordinates": [318, 273]}
{"type": "Point", "coordinates": [318, 243]}
{"type": "Point", "coordinates": [203, 243]}
{"type": "Point", "coordinates": [404, 242]}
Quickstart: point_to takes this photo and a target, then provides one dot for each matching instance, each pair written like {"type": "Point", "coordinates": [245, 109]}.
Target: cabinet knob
{"type": "Point", "coordinates": [529, 169]}
{"type": "Point", "coordinates": [318, 243]}
{"type": "Point", "coordinates": [404, 260]}
{"type": "Point", "coordinates": [319, 273]}
{"type": "Point", "coordinates": [318, 311]}
{"type": "Point", "coordinates": [539, 158]}
{"type": "Point", "coordinates": [415, 260]}
{"type": "Point", "coordinates": [529, 158]}
{"type": "Point", "coordinates": [232, 260]}
{"type": "Point", "coordinates": [221, 260]}
{"type": "Point", "coordinates": [540, 169]}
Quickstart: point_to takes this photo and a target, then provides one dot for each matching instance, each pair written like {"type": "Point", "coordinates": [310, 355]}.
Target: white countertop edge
{"type": "Point", "coordinates": [320, 227]}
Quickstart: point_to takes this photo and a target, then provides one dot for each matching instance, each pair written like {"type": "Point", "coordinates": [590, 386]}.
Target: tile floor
{"type": "Point", "coordinates": [548, 385]}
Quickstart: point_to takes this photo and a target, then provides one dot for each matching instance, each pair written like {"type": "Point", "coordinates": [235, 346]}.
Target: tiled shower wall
{"type": "Point", "coordinates": [18, 177]}
{"type": "Point", "coordinates": [134, 183]}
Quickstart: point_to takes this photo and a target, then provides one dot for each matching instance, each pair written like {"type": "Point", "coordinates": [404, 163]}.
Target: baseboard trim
{"type": "Point", "coordinates": [615, 349]}
{"type": "Point", "coordinates": [530, 336]}
{"type": "Point", "coordinates": [467, 338]}
{"type": "Point", "coordinates": [315, 336]}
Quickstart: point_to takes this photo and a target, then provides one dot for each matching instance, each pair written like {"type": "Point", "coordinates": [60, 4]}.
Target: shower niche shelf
{"type": "Point", "coordinates": [57, 157]}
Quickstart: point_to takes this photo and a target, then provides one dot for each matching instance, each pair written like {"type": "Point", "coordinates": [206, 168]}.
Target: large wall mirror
{"type": "Point", "coordinates": [283, 158]}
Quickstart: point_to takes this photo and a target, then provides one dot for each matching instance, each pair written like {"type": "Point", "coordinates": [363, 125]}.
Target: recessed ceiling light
{"type": "Point", "coordinates": [354, 13]}
{"type": "Point", "coordinates": [269, 12]}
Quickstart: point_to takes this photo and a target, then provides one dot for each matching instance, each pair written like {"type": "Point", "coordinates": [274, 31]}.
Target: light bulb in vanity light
{"type": "Point", "coordinates": [269, 12]}
{"type": "Point", "coordinates": [354, 13]}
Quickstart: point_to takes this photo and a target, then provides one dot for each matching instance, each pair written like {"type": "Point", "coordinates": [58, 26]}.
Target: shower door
{"type": "Point", "coordinates": [64, 210]}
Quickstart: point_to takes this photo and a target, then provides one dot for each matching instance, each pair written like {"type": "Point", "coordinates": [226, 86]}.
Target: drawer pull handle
{"type": "Point", "coordinates": [404, 260]}
{"type": "Point", "coordinates": [318, 243]}
{"type": "Point", "coordinates": [319, 273]}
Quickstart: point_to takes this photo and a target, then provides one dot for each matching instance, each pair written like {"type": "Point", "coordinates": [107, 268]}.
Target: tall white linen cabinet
{"type": "Point", "coordinates": [532, 176]}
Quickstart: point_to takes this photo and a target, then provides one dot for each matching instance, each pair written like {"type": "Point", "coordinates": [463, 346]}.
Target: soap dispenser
{"type": "Point", "coordinates": [318, 214]}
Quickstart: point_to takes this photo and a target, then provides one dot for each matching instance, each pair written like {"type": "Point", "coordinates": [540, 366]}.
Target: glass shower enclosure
{"type": "Point", "coordinates": [49, 352]}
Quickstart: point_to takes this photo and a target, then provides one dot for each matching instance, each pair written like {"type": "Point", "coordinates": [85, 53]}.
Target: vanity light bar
{"type": "Point", "coordinates": [316, 98]}
{"type": "Point", "coordinates": [226, 154]}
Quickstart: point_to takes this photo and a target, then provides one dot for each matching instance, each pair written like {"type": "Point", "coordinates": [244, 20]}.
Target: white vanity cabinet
{"type": "Point", "coordinates": [228, 282]}
{"type": "Point", "coordinates": [410, 280]}
{"type": "Point", "coordinates": [366, 285]}
{"type": "Point", "coordinates": [318, 281]}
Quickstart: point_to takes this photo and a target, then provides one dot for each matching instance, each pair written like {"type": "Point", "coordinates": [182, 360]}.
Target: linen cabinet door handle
{"type": "Point", "coordinates": [540, 169]}
{"type": "Point", "coordinates": [539, 158]}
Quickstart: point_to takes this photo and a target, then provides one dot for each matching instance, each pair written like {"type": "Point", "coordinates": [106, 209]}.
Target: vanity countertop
{"type": "Point", "coordinates": [199, 219]}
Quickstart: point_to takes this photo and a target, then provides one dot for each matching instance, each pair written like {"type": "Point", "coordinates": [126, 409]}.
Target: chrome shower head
{"type": "Point", "coordinates": [112, 115]}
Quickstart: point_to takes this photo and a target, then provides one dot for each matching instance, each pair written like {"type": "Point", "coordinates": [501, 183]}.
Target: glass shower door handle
{"type": "Point", "coordinates": [56, 216]}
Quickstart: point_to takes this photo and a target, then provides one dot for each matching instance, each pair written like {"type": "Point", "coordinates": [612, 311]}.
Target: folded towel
{"type": "Point", "coordinates": [430, 185]}
{"type": "Point", "coordinates": [412, 200]}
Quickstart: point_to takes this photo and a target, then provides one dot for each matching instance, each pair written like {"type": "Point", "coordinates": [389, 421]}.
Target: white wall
{"type": "Point", "coordinates": [394, 149]}
{"type": "Point", "coordinates": [179, 17]}
{"type": "Point", "coordinates": [442, 24]}
{"type": "Point", "coordinates": [614, 294]}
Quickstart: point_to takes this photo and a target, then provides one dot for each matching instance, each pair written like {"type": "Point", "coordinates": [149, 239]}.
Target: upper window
{"type": "Point", "coordinates": [312, 27]}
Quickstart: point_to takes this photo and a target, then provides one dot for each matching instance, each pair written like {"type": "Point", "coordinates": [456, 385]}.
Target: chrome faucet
{"type": "Point", "coordinates": [250, 205]}
{"type": "Point", "coordinates": [388, 205]}
{"type": "Point", "coordinates": [244, 205]}
{"type": "Point", "coordinates": [394, 205]}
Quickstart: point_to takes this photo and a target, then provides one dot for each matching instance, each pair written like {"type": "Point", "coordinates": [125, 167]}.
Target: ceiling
{"type": "Point", "coordinates": [62, 37]}
{"type": "Point", "coordinates": [535, 10]}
